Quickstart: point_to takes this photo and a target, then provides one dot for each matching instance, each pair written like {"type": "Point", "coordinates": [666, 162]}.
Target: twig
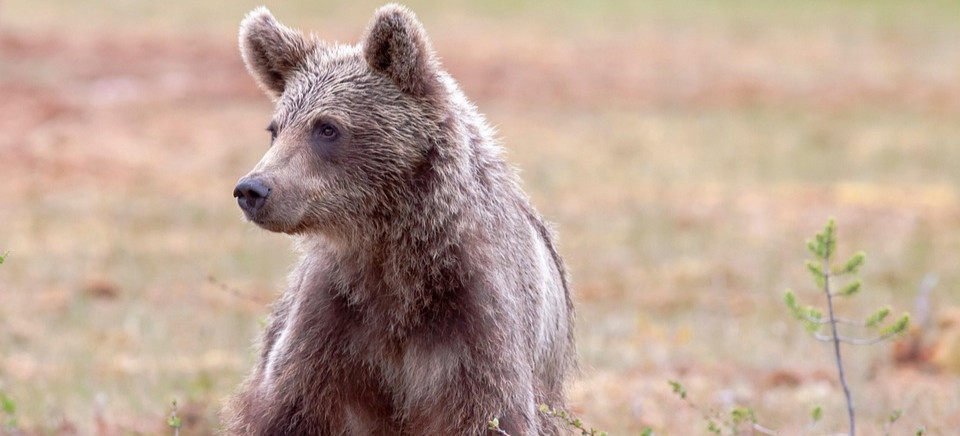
{"type": "Point", "coordinates": [570, 420]}
{"type": "Point", "coordinates": [837, 340]}
{"type": "Point", "coordinates": [173, 420]}
{"type": "Point", "coordinates": [772, 432]}
{"type": "Point", "coordinates": [765, 430]}
{"type": "Point", "coordinates": [233, 291]}
{"type": "Point", "coordinates": [838, 320]}
{"type": "Point", "coordinates": [494, 426]}
{"type": "Point", "coordinates": [852, 341]}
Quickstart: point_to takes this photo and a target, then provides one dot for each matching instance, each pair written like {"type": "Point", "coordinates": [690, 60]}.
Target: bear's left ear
{"type": "Point", "coordinates": [271, 50]}
{"type": "Point", "coordinates": [396, 45]}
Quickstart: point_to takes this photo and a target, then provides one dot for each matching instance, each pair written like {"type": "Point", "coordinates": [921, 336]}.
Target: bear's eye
{"type": "Point", "coordinates": [272, 128]}
{"type": "Point", "coordinates": [326, 132]}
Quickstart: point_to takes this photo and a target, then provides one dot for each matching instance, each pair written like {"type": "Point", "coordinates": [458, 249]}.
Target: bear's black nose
{"type": "Point", "coordinates": [251, 194]}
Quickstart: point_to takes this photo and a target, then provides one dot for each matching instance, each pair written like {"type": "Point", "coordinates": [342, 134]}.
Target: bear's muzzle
{"type": "Point", "coordinates": [251, 194]}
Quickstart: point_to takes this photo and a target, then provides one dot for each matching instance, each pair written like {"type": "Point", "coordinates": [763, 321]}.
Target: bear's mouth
{"type": "Point", "coordinates": [266, 223]}
{"type": "Point", "coordinates": [254, 218]}
{"type": "Point", "coordinates": [258, 216]}
{"type": "Point", "coordinates": [266, 220]}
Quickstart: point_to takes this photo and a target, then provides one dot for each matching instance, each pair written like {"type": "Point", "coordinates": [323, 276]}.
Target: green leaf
{"type": "Point", "coordinates": [894, 416]}
{"type": "Point", "coordinates": [7, 404]}
{"type": "Point", "coordinates": [815, 248]}
{"type": "Point", "coordinates": [816, 414]}
{"type": "Point", "coordinates": [898, 327]}
{"type": "Point", "coordinates": [174, 421]}
{"type": "Point", "coordinates": [850, 289]}
{"type": "Point", "coordinates": [878, 317]}
{"type": "Point", "coordinates": [815, 269]}
{"type": "Point", "coordinates": [790, 299]}
{"type": "Point", "coordinates": [678, 389]}
{"type": "Point", "coordinates": [743, 414]}
{"type": "Point", "coordinates": [829, 238]}
{"type": "Point", "coordinates": [646, 432]}
{"type": "Point", "coordinates": [713, 427]}
{"type": "Point", "coordinates": [853, 265]}
{"type": "Point", "coordinates": [810, 317]}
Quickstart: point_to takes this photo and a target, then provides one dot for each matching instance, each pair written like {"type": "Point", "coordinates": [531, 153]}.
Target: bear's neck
{"type": "Point", "coordinates": [393, 278]}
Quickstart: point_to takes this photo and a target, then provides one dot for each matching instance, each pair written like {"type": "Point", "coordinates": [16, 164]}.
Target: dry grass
{"type": "Point", "coordinates": [685, 150]}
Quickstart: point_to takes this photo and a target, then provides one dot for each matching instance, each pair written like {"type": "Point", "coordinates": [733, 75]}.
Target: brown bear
{"type": "Point", "coordinates": [430, 298]}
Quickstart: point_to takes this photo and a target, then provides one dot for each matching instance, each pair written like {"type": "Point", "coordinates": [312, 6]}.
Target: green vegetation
{"type": "Point", "coordinates": [8, 415]}
{"type": "Point", "coordinates": [565, 418]}
{"type": "Point", "coordinates": [173, 420]}
{"type": "Point", "coordinates": [737, 421]}
{"type": "Point", "coordinates": [570, 421]}
{"type": "Point", "coordinates": [824, 272]}
{"type": "Point", "coordinates": [825, 275]}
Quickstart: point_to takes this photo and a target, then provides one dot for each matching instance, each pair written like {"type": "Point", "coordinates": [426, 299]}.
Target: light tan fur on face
{"type": "Point", "coordinates": [281, 167]}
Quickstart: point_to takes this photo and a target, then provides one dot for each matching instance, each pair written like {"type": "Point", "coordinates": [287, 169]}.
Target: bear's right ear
{"type": "Point", "coordinates": [270, 50]}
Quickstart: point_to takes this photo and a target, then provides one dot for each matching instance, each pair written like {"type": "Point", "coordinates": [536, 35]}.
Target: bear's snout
{"type": "Point", "coordinates": [251, 195]}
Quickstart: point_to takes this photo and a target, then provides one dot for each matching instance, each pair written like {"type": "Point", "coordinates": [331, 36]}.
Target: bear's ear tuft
{"type": "Point", "coordinates": [396, 45]}
{"type": "Point", "coordinates": [270, 50]}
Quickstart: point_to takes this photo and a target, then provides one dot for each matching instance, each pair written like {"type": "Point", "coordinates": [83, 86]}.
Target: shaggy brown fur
{"type": "Point", "coordinates": [429, 298]}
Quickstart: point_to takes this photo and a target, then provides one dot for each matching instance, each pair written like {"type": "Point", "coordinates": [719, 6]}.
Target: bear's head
{"type": "Point", "coordinates": [354, 125]}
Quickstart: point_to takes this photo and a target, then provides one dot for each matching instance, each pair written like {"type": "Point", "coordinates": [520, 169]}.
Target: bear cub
{"type": "Point", "coordinates": [429, 298]}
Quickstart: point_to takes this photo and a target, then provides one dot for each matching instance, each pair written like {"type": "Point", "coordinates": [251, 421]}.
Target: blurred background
{"type": "Point", "coordinates": [684, 149]}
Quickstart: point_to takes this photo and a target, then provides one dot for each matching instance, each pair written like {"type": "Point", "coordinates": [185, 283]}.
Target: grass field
{"type": "Point", "coordinates": [685, 151]}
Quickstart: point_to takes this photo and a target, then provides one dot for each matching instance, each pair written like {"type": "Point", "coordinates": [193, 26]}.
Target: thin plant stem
{"type": "Point", "coordinates": [836, 342]}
